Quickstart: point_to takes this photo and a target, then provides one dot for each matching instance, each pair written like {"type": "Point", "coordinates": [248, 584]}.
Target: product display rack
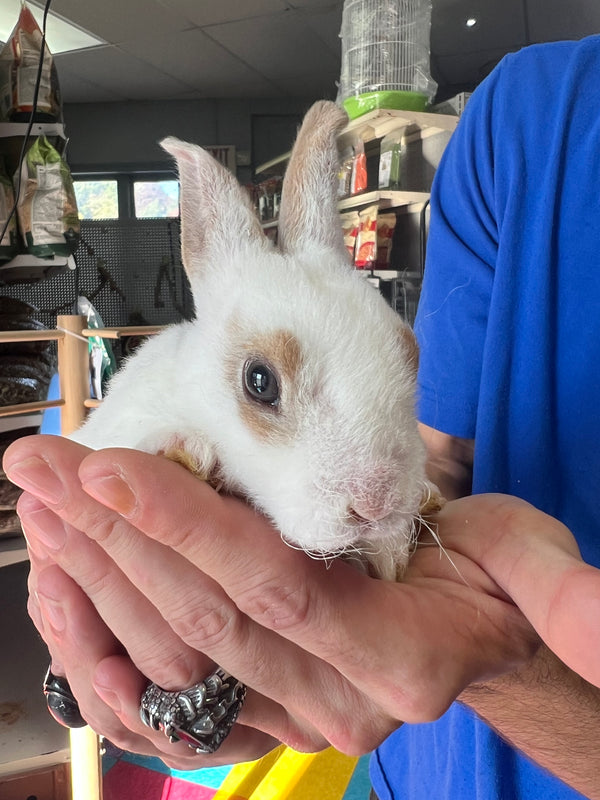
{"type": "Point", "coordinates": [33, 740]}
{"type": "Point", "coordinates": [25, 267]}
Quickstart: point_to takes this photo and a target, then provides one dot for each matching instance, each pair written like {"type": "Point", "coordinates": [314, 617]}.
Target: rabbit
{"type": "Point", "coordinates": [294, 385]}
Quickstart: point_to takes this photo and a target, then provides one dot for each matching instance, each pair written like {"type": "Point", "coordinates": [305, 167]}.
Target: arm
{"type": "Point", "coordinates": [544, 708]}
{"type": "Point", "coordinates": [449, 462]}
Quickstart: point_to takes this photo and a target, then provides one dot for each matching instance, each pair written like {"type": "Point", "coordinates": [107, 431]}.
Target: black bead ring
{"type": "Point", "coordinates": [61, 703]}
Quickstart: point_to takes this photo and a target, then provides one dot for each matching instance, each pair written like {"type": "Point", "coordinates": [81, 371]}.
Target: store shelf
{"type": "Point", "coordinates": [374, 125]}
{"type": "Point", "coordinates": [119, 333]}
{"type": "Point", "coordinates": [8, 129]}
{"type": "Point", "coordinates": [30, 738]}
{"type": "Point", "coordinates": [27, 268]}
{"type": "Point", "coordinates": [384, 198]}
{"type": "Point", "coordinates": [380, 122]}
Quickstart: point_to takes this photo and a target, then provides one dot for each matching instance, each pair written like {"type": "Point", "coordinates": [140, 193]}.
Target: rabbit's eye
{"type": "Point", "coordinates": [261, 383]}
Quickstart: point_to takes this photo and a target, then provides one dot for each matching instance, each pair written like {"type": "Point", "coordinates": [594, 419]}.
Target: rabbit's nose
{"type": "Point", "coordinates": [366, 511]}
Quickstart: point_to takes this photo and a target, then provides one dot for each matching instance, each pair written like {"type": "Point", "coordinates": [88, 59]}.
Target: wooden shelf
{"type": "Point", "coordinates": [384, 198]}
{"type": "Point", "coordinates": [37, 129]}
{"type": "Point", "coordinates": [374, 125]}
{"type": "Point", "coordinates": [119, 333]}
{"type": "Point", "coordinates": [32, 739]}
{"type": "Point", "coordinates": [378, 123]}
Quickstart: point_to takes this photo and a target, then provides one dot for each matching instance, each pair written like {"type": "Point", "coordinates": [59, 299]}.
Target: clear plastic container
{"type": "Point", "coordinates": [385, 55]}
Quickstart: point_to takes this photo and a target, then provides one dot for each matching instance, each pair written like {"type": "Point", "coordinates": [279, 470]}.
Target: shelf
{"type": "Point", "coordinates": [375, 125]}
{"type": "Point", "coordinates": [44, 335]}
{"type": "Point", "coordinates": [27, 268]}
{"type": "Point", "coordinates": [26, 408]}
{"type": "Point", "coordinates": [12, 550]}
{"type": "Point", "coordinates": [378, 123]}
{"type": "Point", "coordinates": [118, 333]}
{"type": "Point", "coordinates": [8, 129]}
{"type": "Point", "coordinates": [384, 198]}
{"type": "Point", "coordinates": [30, 738]}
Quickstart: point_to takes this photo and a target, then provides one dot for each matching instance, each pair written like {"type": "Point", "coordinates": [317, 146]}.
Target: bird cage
{"type": "Point", "coordinates": [385, 55]}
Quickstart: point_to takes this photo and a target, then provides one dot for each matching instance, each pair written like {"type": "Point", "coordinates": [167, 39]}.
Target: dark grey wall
{"type": "Point", "coordinates": [125, 135]}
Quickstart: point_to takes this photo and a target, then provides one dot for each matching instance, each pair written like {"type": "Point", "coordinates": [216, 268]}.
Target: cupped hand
{"type": "Point", "coordinates": [178, 578]}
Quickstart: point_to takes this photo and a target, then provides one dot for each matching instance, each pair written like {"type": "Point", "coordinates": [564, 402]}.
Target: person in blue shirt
{"type": "Point", "coordinates": [509, 329]}
{"type": "Point", "coordinates": [509, 387]}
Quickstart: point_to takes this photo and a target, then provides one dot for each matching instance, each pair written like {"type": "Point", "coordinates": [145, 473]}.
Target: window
{"type": "Point", "coordinates": [155, 198]}
{"type": "Point", "coordinates": [97, 199]}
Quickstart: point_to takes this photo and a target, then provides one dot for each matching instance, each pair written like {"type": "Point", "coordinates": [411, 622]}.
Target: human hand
{"type": "Point", "coordinates": [175, 571]}
{"type": "Point", "coordinates": [535, 559]}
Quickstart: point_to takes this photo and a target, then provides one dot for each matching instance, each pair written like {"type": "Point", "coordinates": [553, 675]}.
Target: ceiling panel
{"type": "Point", "coordinates": [214, 13]}
{"type": "Point", "coordinates": [497, 25]}
{"type": "Point", "coordinates": [200, 62]}
{"type": "Point", "coordinates": [554, 19]}
{"type": "Point", "coordinates": [284, 48]}
{"type": "Point", "coordinates": [119, 20]}
{"type": "Point", "coordinates": [120, 72]}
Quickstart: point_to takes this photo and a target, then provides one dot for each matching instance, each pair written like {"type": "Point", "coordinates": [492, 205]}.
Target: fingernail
{"type": "Point", "coordinates": [42, 526]}
{"type": "Point", "coordinates": [52, 612]}
{"type": "Point", "coordinates": [112, 491]}
{"type": "Point", "coordinates": [35, 476]}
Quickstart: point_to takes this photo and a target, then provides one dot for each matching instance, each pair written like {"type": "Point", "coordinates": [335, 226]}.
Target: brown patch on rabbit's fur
{"type": "Point", "coordinates": [281, 350]}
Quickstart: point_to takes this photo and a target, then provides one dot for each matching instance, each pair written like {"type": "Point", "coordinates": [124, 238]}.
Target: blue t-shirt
{"type": "Point", "coordinates": [509, 330]}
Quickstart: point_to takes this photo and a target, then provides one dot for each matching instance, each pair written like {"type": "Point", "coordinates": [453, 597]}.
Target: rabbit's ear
{"type": "Point", "coordinates": [308, 215]}
{"type": "Point", "coordinates": [217, 217]}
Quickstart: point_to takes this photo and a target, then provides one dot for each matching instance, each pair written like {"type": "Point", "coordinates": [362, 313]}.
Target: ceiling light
{"type": "Point", "coordinates": [61, 35]}
{"type": "Point", "coordinates": [470, 22]}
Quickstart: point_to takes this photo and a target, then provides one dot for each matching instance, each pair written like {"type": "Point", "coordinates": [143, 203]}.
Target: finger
{"type": "Point", "coordinates": [88, 650]}
{"type": "Point", "coordinates": [323, 611]}
{"type": "Point", "coordinates": [154, 646]}
{"type": "Point", "coordinates": [535, 559]}
{"type": "Point", "coordinates": [206, 618]}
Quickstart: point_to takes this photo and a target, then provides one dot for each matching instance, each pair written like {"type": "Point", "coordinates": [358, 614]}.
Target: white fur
{"type": "Point", "coordinates": [350, 439]}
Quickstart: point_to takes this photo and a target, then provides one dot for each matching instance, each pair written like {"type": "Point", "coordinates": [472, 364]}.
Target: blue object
{"type": "Point", "coordinates": [509, 329]}
{"type": "Point", "coordinates": [51, 416]}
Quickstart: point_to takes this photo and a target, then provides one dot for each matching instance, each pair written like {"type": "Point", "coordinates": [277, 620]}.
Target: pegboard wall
{"type": "Point", "coordinates": [130, 271]}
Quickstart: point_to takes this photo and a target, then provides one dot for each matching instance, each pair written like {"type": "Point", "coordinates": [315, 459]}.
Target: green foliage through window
{"type": "Point", "coordinates": [156, 198]}
{"type": "Point", "coordinates": [97, 199]}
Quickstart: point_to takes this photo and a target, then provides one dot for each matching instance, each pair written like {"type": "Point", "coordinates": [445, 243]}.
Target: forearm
{"type": "Point", "coordinates": [550, 714]}
{"type": "Point", "coordinates": [449, 462]}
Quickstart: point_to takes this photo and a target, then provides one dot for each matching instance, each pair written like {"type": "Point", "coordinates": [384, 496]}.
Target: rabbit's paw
{"type": "Point", "coordinates": [188, 449]}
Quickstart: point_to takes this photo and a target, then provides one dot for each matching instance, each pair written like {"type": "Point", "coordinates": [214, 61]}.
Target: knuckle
{"type": "Point", "coordinates": [276, 605]}
{"type": "Point", "coordinates": [205, 625]}
{"type": "Point", "coordinates": [170, 673]}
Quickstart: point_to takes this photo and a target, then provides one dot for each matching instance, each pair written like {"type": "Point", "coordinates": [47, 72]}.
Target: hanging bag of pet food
{"type": "Point", "coordinates": [8, 221]}
{"type": "Point", "coordinates": [47, 207]}
{"type": "Point", "coordinates": [19, 66]}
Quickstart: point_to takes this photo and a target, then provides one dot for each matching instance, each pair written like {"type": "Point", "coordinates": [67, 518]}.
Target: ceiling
{"type": "Point", "coordinates": [188, 49]}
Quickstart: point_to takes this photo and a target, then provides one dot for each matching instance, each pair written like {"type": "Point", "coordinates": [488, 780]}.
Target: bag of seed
{"type": "Point", "coordinates": [8, 228]}
{"type": "Point", "coordinates": [19, 65]}
{"type": "Point", "coordinates": [47, 208]}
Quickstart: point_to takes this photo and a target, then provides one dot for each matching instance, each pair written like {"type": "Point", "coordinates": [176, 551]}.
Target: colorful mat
{"type": "Point", "coordinates": [281, 775]}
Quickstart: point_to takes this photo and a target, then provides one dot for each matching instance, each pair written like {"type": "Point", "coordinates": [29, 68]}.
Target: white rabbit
{"type": "Point", "coordinates": [294, 385]}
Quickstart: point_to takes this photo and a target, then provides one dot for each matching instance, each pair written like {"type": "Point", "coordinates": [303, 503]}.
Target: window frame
{"type": "Point", "coordinates": [125, 183]}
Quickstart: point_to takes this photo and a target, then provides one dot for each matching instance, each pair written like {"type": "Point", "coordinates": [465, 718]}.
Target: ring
{"type": "Point", "coordinates": [202, 716]}
{"type": "Point", "coordinates": [60, 701]}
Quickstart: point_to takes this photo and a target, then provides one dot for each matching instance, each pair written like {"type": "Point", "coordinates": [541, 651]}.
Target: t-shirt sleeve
{"type": "Point", "coordinates": [461, 253]}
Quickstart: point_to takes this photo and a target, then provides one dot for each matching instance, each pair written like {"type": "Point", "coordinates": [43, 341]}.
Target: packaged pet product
{"type": "Point", "coordinates": [385, 233]}
{"type": "Point", "coordinates": [350, 222]}
{"type": "Point", "coordinates": [389, 160]}
{"type": "Point", "coordinates": [359, 168]}
{"type": "Point", "coordinates": [366, 239]}
{"type": "Point", "coordinates": [19, 65]}
{"type": "Point", "coordinates": [345, 173]}
{"type": "Point", "coordinates": [47, 208]}
{"type": "Point", "coordinates": [8, 242]}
